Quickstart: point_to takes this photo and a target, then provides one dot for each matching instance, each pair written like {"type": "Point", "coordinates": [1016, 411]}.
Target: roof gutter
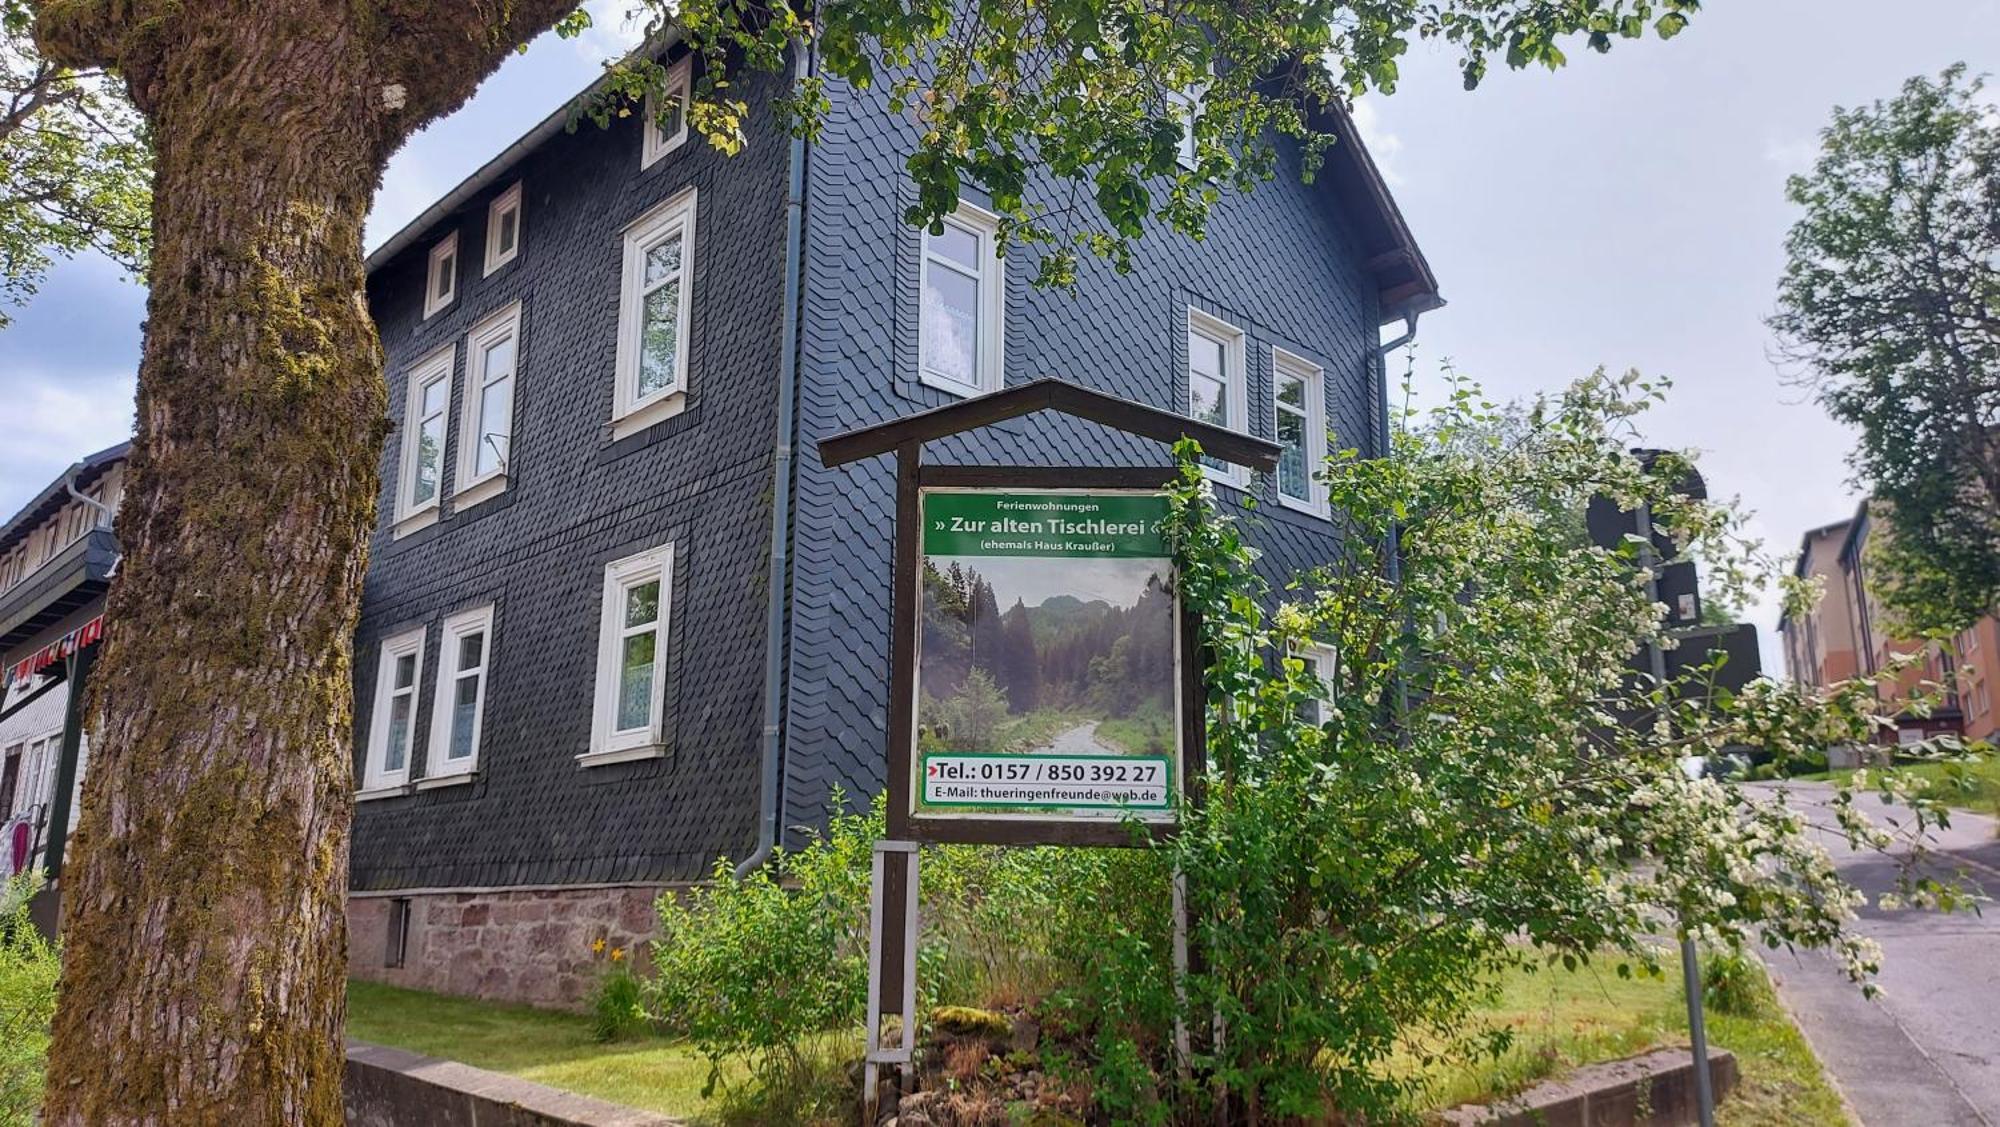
{"type": "Point", "coordinates": [772, 781]}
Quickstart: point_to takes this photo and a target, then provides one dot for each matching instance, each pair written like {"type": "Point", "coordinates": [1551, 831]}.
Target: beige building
{"type": "Point", "coordinates": [1847, 635]}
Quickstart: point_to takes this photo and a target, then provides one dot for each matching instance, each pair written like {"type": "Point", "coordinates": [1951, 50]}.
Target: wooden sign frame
{"type": "Point", "coordinates": [906, 437]}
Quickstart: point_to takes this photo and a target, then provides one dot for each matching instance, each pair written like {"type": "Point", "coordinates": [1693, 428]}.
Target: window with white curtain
{"type": "Point", "coordinates": [392, 730]}
{"type": "Point", "coordinates": [961, 316]}
{"type": "Point", "coordinates": [631, 657]}
{"type": "Point", "coordinates": [1216, 382]}
{"type": "Point", "coordinates": [458, 703]}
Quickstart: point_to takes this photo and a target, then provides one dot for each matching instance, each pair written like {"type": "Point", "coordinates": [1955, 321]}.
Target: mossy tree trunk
{"type": "Point", "coordinates": [204, 963]}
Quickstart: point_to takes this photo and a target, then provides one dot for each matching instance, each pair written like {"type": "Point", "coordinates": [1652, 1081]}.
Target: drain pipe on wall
{"type": "Point", "coordinates": [772, 798]}
{"type": "Point", "coordinates": [1395, 531]}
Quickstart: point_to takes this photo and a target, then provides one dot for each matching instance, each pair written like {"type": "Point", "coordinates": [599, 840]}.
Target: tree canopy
{"type": "Point", "coordinates": [1890, 305]}
{"type": "Point", "coordinates": [1087, 122]}
{"type": "Point", "coordinates": [75, 172]}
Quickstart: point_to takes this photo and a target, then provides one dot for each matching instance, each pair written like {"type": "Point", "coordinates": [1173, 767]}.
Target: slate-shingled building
{"type": "Point", "coordinates": [619, 621]}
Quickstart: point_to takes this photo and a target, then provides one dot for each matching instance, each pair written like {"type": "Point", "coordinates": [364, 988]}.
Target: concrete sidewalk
{"type": "Point", "coordinates": [1927, 1052]}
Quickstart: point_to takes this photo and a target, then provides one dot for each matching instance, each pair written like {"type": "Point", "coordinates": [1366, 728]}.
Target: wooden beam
{"type": "Point", "coordinates": [1049, 395]}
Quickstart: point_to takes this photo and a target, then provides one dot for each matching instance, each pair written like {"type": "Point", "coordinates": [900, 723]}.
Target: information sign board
{"type": "Point", "coordinates": [1048, 657]}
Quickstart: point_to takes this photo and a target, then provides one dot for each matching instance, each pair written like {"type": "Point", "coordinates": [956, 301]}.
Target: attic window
{"type": "Point", "coordinates": [503, 229]}
{"type": "Point", "coordinates": [441, 282]}
{"type": "Point", "coordinates": [663, 139]}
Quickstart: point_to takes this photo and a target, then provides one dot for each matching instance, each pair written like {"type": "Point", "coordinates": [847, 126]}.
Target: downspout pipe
{"type": "Point", "coordinates": [771, 783]}
{"type": "Point", "coordinates": [1395, 552]}
{"type": "Point", "coordinates": [103, 513]}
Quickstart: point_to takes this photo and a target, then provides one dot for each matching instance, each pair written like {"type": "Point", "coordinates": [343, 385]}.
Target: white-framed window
{"type": "Point", "coordinates": [1216, 382]}
{"type": "Point", "coordinates": [15, 800]}
{"type": "Point", "coordinates": [35, 763]}
{"type": "Point", "coordinates": [1298, 399]}
{"type": "Point", "coordinates": [486, 428]}
{"type": "Point", "coordinates": [458, 703]}
{"type": "Point", "coordinates": [1320, 666]}
{"type": "Point", "coordinates": [392, 731]}
{"type": "Point", "coordinates": [654, 304]}
{"type": "Point", "coordinates": [503, 228]}
{"type": "Point", "coordinates": [1187, 104]}
{"type": "Point", "coordinates": [631, 657]}
{"type": "Point", "coordinates": [962, 304]}
{"type": "Point", "coordinates": [427, 406]}
{"type": "Point", "coordinates": [663, 139]}
{"type": "Point", "coordinates": [441, 279]}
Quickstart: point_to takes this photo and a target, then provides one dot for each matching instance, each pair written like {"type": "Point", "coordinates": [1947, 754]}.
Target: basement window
{"type": "Point", "coordinates": [397, 941]}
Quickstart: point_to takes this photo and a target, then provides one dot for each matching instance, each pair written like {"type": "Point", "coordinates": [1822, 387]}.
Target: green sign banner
{"type": "Point", "coordinates": [1060, 525]}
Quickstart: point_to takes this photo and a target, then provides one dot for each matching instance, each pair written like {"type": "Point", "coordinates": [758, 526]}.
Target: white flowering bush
{"type": "Point", "coordinates": [1479, 779]}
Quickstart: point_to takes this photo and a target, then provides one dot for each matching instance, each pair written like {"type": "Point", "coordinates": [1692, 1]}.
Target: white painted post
{"type": "Point", "coordinates": [887, 918]}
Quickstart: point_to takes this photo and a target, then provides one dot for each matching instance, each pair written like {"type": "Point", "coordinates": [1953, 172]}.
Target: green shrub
{"type": "Point", "coordinates": [28, 966]}
{"type": "Point", "coordinates": [617, 1004]}
{"type": "Point", "coordinates": [1733, 983]}
{"type": "Point", "coordinates": [759, 966]}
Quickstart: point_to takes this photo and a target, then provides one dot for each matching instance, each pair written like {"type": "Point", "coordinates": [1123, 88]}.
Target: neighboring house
{"type": "Point", "coordinates": [56, 559]}
{"type": "Point", "coordinates": [1847, 635]}
{"type": "Point", "coordinates": [619, 621]}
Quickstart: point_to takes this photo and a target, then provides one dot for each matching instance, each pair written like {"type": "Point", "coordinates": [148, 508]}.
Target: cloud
{"type": "Point", "coordinates": [52, 423]}
{"type": "Point", "coordinates": [1795, 155]}
{"type": "Point", "coordinates": [1383, 143]}
{"type": "Point", "coordinates": [616, 26]}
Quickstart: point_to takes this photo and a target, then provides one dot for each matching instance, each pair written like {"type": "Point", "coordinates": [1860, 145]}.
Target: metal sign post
{"type": "Point", "coordinates": [1690, 958]}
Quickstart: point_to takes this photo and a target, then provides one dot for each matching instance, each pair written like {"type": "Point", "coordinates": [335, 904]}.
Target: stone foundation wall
{"type": "Point", "coordinates": [536, 946]}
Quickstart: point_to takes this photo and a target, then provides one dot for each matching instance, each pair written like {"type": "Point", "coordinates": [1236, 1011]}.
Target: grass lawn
{"type": "Point", "coordinates": [1561, 1019]}
{"type": "Point", "coordinates": [1972, 785]}
{"type": "Point", "coordinates": [550, 1048]}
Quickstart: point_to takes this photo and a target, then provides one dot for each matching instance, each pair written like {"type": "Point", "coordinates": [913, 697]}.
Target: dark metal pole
{"type": "Point", "coordinates": [72, 741]}
{"type": "Point", "coordinates": [1697, 1030]}
{"type": "Point", "coordinates": [1690, 958]}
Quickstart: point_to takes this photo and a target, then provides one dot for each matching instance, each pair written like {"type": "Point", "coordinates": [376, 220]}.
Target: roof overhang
{"type": "Point", "coordinates": [493, 170]}
{"type": "Point", "coordinates": [51, 499]}
{"type": "Point", "coordinates": [1405, 286]}
{"type": "Point", "coordinates": [1404, 283]}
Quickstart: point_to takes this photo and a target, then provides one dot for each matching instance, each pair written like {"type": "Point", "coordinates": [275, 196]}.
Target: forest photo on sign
{"type": "Point", "coordinates": [1047, 659]}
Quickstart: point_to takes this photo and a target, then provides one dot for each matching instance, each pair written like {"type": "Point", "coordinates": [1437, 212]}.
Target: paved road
{"type": "Point", "coordinates": [1080, 740]}
{"type": "Point", "coordinates": [1927, 1052]}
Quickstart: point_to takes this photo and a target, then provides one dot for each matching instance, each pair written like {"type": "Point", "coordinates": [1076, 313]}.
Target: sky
{"type": "Point", "coordinates": [1626, 211]}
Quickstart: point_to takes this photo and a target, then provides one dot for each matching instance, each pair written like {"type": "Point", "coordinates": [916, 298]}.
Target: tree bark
{"type": "Point", "coordinates": [204, 934]}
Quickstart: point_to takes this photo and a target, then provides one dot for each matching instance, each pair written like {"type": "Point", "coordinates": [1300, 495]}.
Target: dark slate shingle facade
{"type": "Point", "coordinates": [1296, 266]}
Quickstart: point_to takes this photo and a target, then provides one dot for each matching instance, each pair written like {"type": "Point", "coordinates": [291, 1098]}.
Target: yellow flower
{"type": "Point", "coordinates": [597, 946]}
{"type": "Point", "coordinates": [617, 953]}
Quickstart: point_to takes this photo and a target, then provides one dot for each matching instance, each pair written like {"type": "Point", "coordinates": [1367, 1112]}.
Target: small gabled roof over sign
{"type": "Point", "coordinates": [1056, 395]}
